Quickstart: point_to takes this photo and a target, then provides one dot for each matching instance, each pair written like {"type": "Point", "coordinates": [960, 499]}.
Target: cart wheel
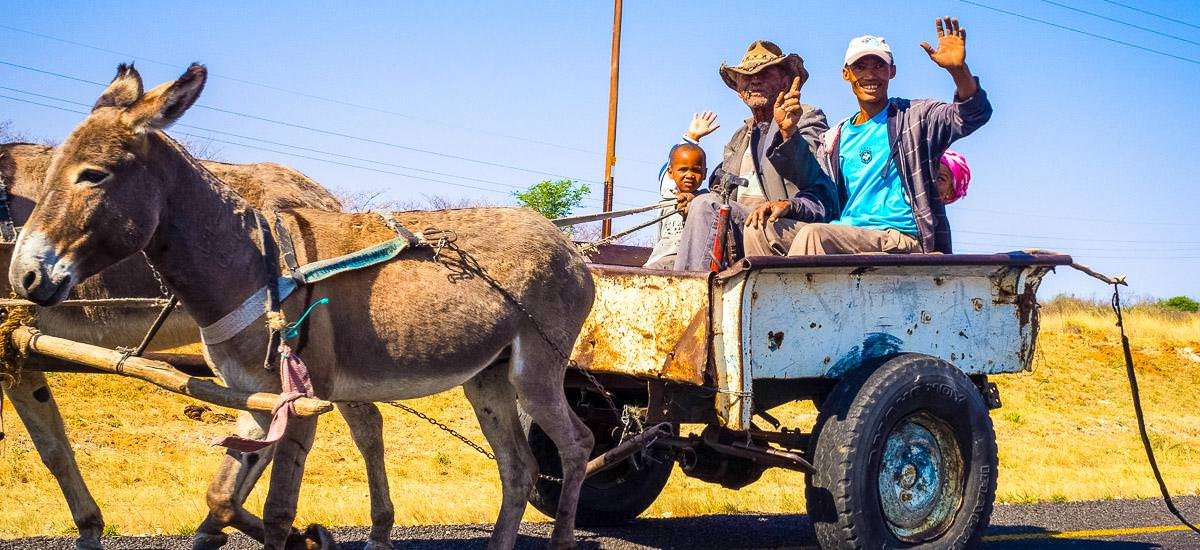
{"type": "Point", "coordinates": [905, 456]}
{"type": "Point", "coordinates": [612, 497]}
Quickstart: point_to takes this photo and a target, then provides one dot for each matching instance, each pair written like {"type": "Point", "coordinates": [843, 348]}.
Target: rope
{"type": "Point", "coordinates": [1116, 283]}
{"type": "Point", "coordinates": [575, 220]}
{"type": "Point", "coordinates": [1137, 409]}
{"type": "Point", "coordinates": [590, 248]}
{"type": "Point", "coordinates": [11, 358]}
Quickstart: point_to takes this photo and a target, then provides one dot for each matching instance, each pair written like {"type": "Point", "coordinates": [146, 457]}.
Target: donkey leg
{"type": "Point", "coordinates": [232, 484]}
{"type": "Point", "coordinates": [279, 510]}
{"type": "Point", "coordinates": [537, 373]}
{"type": "Point", "coordinates": [366, 427]}
{"type": "Point", "coordinates": [34, 403]}
{"type": "Point", "coordinates": [495, 402]}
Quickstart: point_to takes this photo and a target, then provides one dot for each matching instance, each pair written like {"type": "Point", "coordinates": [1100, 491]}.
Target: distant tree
{"type": "Point", "coordinates": [553, 199]}
{"type": "Point", "coordinates": [375, 200]}
{"type": "Point", "coordinates": [201, 148]}
{"type": "Point", "coordinates": [9, 135]}
{"type": "Point", "coordinates": [1181, 303]}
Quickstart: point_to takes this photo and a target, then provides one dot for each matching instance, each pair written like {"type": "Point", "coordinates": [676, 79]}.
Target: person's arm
{"type": "Point", "coordinates": [795, 161]}
{"type": "Point", "coordinates": [947, 122]}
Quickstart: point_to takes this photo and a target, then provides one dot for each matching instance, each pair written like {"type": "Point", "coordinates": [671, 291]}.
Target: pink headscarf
{"type": "Point", "coordinates": [960, 172]}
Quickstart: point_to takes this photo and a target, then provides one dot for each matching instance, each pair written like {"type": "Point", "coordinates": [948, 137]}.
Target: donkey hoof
{"type": "Point", "coordinates": [315, 537]}
{"type": "Point", "coordinates": [376, 545]}
{"type": "Point", "coordinates": [88, 543]}
{"type": "Point", "coordinates": [209, 541]}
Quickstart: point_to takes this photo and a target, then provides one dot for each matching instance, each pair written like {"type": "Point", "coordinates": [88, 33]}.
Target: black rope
{"type": "Point", "coordinates": [1137, 409]}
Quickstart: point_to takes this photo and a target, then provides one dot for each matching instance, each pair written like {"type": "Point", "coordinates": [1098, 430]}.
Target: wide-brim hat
{"type": "Point", "coordinates": [760, 55]}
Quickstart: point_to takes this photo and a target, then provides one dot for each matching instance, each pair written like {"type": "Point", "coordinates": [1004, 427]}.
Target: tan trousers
{"type": "Point", "coordinates": [793, 238]}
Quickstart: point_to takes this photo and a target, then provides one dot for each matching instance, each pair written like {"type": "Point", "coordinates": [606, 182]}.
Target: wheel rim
{"type": "Point", "coordinates": [920, 478]}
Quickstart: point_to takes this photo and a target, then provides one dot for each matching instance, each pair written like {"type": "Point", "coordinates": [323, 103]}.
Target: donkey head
{"type": "Point", "coordinates": [105, 189]}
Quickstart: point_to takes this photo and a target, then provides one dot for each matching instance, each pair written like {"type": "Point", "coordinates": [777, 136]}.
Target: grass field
{"type": "Point", "coordinates": [1066, 432]}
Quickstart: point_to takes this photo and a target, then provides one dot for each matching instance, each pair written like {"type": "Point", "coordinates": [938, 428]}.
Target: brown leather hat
{"type": "Point", "coordinates": [760, 55]}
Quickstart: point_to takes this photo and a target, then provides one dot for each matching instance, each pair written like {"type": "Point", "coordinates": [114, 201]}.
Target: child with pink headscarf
{"type": "Point", "coordinates": [953, 177]}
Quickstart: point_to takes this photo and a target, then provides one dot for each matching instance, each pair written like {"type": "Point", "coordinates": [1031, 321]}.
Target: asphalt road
{"type": "Point", "coordinates": [1134, 524]}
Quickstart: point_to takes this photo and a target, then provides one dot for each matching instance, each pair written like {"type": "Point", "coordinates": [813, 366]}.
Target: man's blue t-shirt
{"type": "Point", "coordinates": [875, 194]}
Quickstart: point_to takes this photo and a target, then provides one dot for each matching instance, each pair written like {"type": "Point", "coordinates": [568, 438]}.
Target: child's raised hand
{"type": "Point", "coordinates": [702, 125]}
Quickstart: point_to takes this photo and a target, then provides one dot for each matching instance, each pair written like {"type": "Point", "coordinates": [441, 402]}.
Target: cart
{"type": "Point", "coordinates": [894, 350]}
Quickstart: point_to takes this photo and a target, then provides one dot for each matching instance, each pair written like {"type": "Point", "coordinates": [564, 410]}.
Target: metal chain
{"type": "Point", "coordinates": [444, 427]}
{"type": "Point", "coordinates": [162, 286]}
{"type": "Point", "coordinates": [457, 435]}
{"type": "Point", "coordinates": [469, 262]}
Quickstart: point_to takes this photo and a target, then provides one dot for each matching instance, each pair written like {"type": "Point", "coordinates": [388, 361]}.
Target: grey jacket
{"type": "Point", "coordinates": [788, 170]}
{"type": "Point", "coordinates": [920, 130]}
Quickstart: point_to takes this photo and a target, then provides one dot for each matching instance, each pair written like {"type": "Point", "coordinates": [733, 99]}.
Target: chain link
{"type": "Point", "coordinates": [444, 427]}
{"type": "Point", "coordinates": [162, 286]}
{"type": "Point", "coordinates": [469, 263]}
{"type": "Point", "coordinates": [457, 435]}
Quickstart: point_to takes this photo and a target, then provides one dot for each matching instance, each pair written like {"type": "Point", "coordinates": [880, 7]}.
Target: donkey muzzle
{"type": "Point", "coordinates": [37, 273]}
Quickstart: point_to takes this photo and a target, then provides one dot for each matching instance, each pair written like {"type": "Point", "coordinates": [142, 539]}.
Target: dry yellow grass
{"type": "Point", "coordinates": [1066, 432]}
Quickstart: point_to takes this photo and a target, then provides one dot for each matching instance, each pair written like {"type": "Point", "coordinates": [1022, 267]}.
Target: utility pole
{"type": "Point", "coordinates": [610, 155]}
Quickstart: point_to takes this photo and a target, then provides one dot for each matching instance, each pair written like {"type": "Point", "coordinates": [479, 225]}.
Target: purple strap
{"type": "Point", "coordinates": [296, 384]}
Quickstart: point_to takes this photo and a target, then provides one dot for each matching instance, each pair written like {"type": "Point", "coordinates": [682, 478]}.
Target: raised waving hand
{"type": "Point", "coordinates": [702, 124]}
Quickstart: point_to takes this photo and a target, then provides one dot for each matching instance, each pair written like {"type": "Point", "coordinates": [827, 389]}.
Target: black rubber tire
{"type": "Point", "coordinates": [612, 497]}
{"type": "Point", "coordinates": [849, 440]}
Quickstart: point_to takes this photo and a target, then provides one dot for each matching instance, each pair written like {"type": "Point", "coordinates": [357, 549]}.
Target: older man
{"type": "Point", "coordinates": [774, 152]}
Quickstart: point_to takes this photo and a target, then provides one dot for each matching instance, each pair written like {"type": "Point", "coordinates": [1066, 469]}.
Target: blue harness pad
{"type": "Point", "coordinates": [324, 269]}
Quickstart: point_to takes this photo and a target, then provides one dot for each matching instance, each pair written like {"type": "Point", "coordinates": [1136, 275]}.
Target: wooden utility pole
{"type": "Point", "coordinates": [610, 155]}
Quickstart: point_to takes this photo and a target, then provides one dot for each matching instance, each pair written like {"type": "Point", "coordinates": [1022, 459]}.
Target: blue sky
{"type": "Point", "coordinates": [1089, 151]}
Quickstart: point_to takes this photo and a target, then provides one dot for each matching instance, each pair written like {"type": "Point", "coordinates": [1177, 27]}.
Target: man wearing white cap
{"type": "Point", "coordinates": [884, 158]}
{"type": "Point", "coordinates": [774, 152]}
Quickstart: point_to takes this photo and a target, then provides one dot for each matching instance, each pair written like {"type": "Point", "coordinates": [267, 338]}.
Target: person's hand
{"type": "Point", "coordinates": [683, 200]}
{"type": "Point", "coordinates": [788, 111]}
{"type": "Point", "coordinates": [768, 212]}
{"type": "Point", "coordinates": [951, 52]}
{"type": "Point", "coordinates": [702, 125]}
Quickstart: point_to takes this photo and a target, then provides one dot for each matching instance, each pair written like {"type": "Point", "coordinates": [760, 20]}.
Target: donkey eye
{"type": "Point", "coordinates": [92, 176]}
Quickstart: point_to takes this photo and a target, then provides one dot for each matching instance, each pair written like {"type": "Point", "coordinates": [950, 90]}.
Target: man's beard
{"type": "Point", "coordinates": [755, 101]}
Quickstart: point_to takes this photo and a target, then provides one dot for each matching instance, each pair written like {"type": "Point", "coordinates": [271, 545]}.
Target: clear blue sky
{"type": "Point", "coordinates": [1090, 150]}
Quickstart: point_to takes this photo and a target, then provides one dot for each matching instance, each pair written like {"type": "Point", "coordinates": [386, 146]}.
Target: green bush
{"type": "Point", "coordinates": [553, 199]}
{"type": "Point", "coordinates": [1181, 303]}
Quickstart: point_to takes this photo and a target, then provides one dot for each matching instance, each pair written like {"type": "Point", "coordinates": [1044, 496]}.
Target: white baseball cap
{"type": "Point", "coordinates": [865, 45]}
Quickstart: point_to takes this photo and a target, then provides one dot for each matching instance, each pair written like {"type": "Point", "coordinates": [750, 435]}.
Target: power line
{"type": "Point", "coordinates": [297, 147]}
{"type": "Point", "coordinates": [1119, 22]}
{"type": "Point", "coordinates": [1189, 249]}
{"type": "Point", "coordinates": [266, 149]}
{"type": "Point", "coordinates": [1085, 33]}
{"type": "Point", "coordinates": [270, 142]}
{"type": "Point", "coordinates": [1152, 14]}
{"type": "Point", "coordinates": [1080, 238]}
{"type": "Point", "coordinates": [338, 134]}
{"type": "Point", "coordinates": [313, 96]}
{"type": "Point", "coordinates": [1072, 218]}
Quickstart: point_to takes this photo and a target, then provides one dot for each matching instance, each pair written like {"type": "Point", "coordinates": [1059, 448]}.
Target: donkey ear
{"type": "Point", "coordinates": [163, 105]}
{"type": "Point", "coordinates": [123, 91]}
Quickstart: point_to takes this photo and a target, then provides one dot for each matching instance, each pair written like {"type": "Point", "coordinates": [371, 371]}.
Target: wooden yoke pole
{"type": "Point", "coordinates": [610, 155]}
{"type": "Point", "coordinates": [158, 373]}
